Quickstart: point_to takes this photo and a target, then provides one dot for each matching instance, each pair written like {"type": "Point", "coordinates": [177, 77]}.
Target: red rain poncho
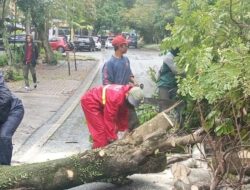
{"type": "Point", "coordinates": [106, 112]}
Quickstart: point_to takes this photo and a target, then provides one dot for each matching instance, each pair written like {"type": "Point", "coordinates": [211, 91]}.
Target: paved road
{"type": "Point", "coordinates": [47, 106]}
{"type": "Point", "coordinates": [72, 136]}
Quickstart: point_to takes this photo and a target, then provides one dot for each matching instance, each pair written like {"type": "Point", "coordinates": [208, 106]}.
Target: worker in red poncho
{"type": "Point", "coordinates": [106, 111]}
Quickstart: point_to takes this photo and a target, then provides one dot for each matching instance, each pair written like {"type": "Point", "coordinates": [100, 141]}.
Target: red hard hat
{"type": "Point", "coordinates": [119, 40]}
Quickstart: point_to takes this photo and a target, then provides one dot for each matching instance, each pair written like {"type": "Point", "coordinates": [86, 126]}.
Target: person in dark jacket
{"type": "Point", "coordinates": [29, 61]}
{"type": "Point", "coordinates": [11, 115]}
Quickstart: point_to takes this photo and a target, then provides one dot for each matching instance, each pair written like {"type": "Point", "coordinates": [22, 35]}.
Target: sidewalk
{"type": "Point", "coordinates": [55, 89]}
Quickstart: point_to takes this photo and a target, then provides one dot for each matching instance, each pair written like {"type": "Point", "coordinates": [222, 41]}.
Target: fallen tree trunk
{"type": "Point", "coordinates": [142, 151]}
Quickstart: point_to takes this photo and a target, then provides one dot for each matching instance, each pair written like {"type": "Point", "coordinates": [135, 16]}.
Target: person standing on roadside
{"type": "Point", "coordinates": [11, 115]}
{"type": "Point", "coordinates": [117, 70]}
{"type": "Point", "coordinates": [166, 83]}
{"type": "Point", "coordinates": [29, 61]}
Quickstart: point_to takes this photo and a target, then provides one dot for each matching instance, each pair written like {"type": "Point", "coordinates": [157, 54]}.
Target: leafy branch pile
{"type": "Point", "coordinates": [213, 36]}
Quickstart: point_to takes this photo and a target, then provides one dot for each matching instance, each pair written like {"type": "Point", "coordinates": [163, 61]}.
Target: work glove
{"type": "Point", "coordinates": [122, 134]}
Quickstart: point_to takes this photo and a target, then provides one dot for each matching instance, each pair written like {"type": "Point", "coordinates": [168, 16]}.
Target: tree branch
{"type": "Point", "coordinates": [240, 25]}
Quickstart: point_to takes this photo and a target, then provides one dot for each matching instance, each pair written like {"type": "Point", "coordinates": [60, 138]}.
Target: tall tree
{"type": "Point", "coordinates": [149, 18]}
{"type": "Point", "coordinates": [3, 29]}
{"type": "Point", "coordinates": [109, 16]}
{"type": "Point", "coordinates": [166, 12]}
{"type": "Point", "coordinates": [78, 14]}
{"type": "Point", "coordinates": [141, 18]}
{"type": "Point", "coordinates": [40, 14]}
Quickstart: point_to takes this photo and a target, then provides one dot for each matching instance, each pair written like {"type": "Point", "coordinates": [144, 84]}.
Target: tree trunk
{"type": "Point", "coordinates": [50, 58]}
{"type": "Point", "coordinates": [43, 36]}
{"type": "Point", "coordinates": [141, 151]}
{"type": "Point", "coordinates": [27, 21]}
{"type": "Point", "coordinates": [3, 32]}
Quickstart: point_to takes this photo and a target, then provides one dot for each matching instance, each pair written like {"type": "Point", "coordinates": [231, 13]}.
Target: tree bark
{"type": "Point", "coordinates": [190, 178]}
{"type": "Point", "coordinates": [3, 32]}
{"type": "Point", "coordinates": [141, 151]}
{"type": "Point", "coordinates": [200, 186]}
{"type": "Point", "coordinates": [50, 58]}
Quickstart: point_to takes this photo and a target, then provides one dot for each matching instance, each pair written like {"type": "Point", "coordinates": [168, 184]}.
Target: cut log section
{"type": "Point", "coordinates": [142, 151]}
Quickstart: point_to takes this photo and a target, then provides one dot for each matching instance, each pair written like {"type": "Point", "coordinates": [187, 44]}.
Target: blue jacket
{"type": "Point", "coordinates": [8, 101]}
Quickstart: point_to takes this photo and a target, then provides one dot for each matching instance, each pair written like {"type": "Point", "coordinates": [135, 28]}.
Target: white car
{"type": "Point", "coordinates": [108, 43]}
{"type": "Point", "coordinates": [98, 45]}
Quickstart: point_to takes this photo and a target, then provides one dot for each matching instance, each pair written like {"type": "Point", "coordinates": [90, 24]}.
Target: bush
{"type": "Point", "coordinates": [11, 75]}
{"type": "Point", "coordinates": [41, 52]}
{"type": "Point", "coordinates": [145, 112]}
{"type": "Point", "coordinates": [18, 53]}
{"type": "Point", "coordinates": [58, 55]}
{"type": "Point", "coordinates": [3, 60]}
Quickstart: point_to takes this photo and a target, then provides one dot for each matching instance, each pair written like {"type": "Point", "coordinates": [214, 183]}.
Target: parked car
{"type": "Point", "coordinates": [84, 43]}
{"type": "Point", "coordinates": [59, 44]}
{"type": "Point", "coordinates": [132, 41]}
{"type": "Point", "coordinates": [108, 43]}
{"type": "Point", "coordinates": [17, 39]}
{"type": "Point", "coordinates": [98, 45]}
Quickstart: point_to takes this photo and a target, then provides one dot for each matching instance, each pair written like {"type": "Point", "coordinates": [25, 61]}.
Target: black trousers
{"type": "Point", "coordinates": [133, 121]}
{"type": "Point", "coordinates": [7, 130]}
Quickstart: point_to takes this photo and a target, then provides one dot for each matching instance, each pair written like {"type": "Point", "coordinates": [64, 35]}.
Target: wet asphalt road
{"type": "Point", "coordinates": [72, 136]}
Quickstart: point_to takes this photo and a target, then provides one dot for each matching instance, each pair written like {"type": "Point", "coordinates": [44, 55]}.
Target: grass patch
{"type": "Point", "coordinates": [3, 60]}
{"type": "Point", "coordinates": [81, 57]}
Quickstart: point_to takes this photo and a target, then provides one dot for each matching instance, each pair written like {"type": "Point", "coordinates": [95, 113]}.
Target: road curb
{"type": "Point", "coordinates": [27, 152]}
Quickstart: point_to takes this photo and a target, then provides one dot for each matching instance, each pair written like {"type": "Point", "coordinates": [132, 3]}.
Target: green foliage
{"type": "Point", "coordinates": [142, 20]}
{"type": "Point", "coordinates": [150, 17]}
{"type": "Point", "coordinates": [12, 75]}
{"type": "Point", "coordinates": [146, 112]}
{"type": "Point", "coordinates": [58, 55]}
{"type": "Point", "coordinates": [17, 52]}
{"type": "Point", "coordinates": [78, 14]}
{"type": "Point", "coordinates": [109, 16]}
{"type": "Point", "coordinates": [41, 52]}
{"type": "Point", "coordinates": [39, 10]}
{"type": "Point", "coordinates": [152, 74]}
{"type": "Point", "coordinates": [3, 60]}
{"type": "Point", "coordinates": [213, 37]}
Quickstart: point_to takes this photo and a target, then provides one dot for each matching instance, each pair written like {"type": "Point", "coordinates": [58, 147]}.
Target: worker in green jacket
{"type": "Point", "coordinates": [166, 83]}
